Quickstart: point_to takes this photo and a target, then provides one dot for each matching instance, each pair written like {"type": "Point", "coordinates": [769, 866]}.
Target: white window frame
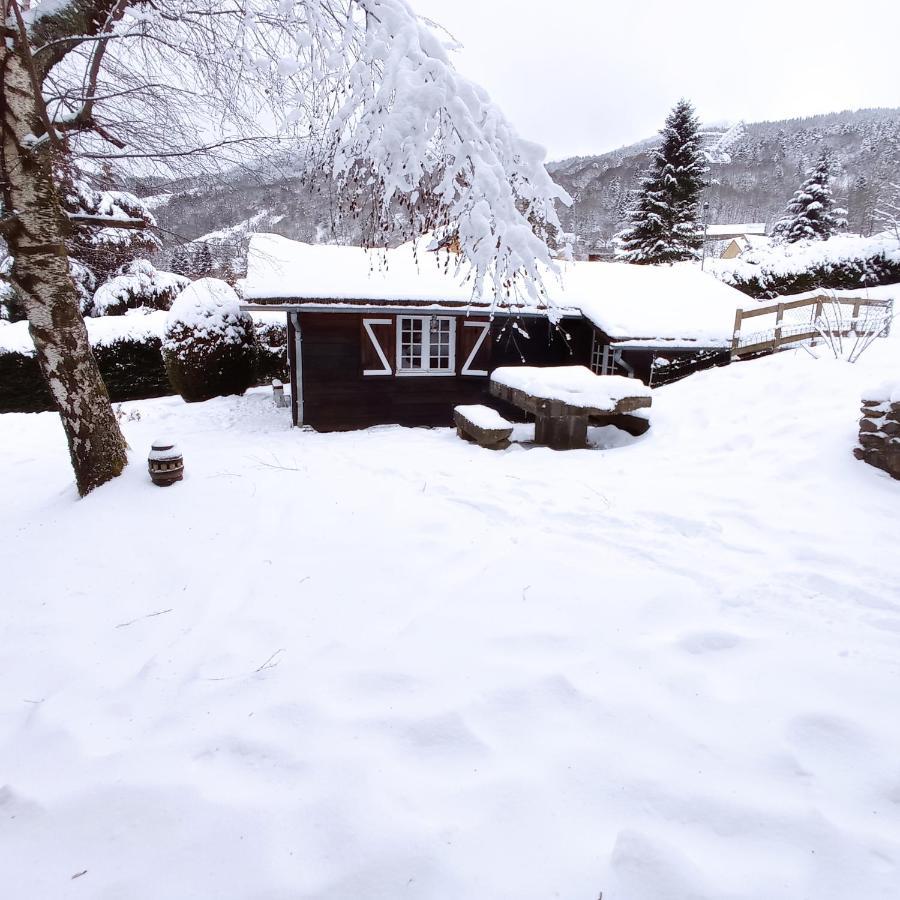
{"type": "Point", "coordinates": [382, 356]}
{"type": "Point", "coordinates": [605, 359]}
{"type": "Point", "coordinates": [466, 367]}
{"type": "Point", "coordinates": [426, 347]}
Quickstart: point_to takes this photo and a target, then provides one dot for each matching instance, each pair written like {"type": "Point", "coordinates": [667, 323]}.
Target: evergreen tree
{"type": "Point", "coordinates": [179, 260]}
{"type": "Point", "coordinates": [811, 213]}
{"type": "Point", "coordinates": [201, 262]}
{"type": "Point", "coordinates": [665, 226]}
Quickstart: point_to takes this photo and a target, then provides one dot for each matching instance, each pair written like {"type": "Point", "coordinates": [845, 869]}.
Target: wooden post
{"type": "Point", "coordinates": [779, 317]}
{"type": "Point", "coordinates": [738, 314]}
{"type": "Point", "coordinates": [561, 432]}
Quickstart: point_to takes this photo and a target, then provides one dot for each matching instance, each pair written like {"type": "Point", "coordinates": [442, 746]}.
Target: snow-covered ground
{"type": "Point", "coordinates": [392, 664]}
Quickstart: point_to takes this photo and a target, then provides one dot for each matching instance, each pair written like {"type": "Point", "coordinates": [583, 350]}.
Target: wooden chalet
{"type": "Point", "coordinates": [396, 337]}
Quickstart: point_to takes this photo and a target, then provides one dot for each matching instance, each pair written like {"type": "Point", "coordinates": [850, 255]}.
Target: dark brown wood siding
{"type": "Point", "coordinates": [338, 397]}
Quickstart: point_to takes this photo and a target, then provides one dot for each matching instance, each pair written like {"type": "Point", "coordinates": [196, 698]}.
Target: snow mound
{"type": "Point", "coordinates": [887, 390]}
{"type": "Point", "coordinates": [388, 664]}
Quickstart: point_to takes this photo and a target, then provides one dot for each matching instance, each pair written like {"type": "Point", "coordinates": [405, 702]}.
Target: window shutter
{"type": "Point", "coordinates": [376, 343]}
{"type": "Point", "coordinates": [475, 341]}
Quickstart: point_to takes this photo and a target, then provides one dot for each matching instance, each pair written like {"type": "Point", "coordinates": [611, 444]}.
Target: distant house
{"type": "Point", "coordinates": [740, 245]}
{"type": "Point", "coordinates": [395, 336]}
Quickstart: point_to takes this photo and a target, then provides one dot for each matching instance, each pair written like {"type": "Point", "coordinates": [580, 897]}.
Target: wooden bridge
{"type": "Point", "coordinates": [826, 317]}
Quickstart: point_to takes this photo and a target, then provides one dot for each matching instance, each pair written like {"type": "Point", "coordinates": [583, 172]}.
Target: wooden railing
{"type": "Point", "coordinates": [826, 320]}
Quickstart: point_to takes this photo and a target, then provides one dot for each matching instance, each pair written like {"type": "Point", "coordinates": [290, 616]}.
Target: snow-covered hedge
{"type": "Point", "coordinates": [209, 346]}
{"type": "Point", "coordinates": [844, 262]}
{"type": "Point", "coordinates": [138, 284]}
{"type": "Point", "coordinates": [271, 347]}
{"type": "Point", "coordinates": [128, 351]}
{"type": "Point", "coordinates": [8, 306]}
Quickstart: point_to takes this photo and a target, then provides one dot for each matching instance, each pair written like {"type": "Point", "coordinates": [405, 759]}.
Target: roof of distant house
{"type": "Point", "coordinates": [723, 231]}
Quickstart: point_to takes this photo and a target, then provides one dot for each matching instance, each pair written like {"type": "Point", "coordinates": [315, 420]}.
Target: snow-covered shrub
{"type": "Point", "coordinates": [844, 262]}
{"type": "Point", "coordinates": [85, 282]}
{"type": "Point", "coordinates": [132, 367]}
{"type": "Point", "coordinates": [22, 389]}
{"type": "Point", "coordinates": [9, 307]}
{"type": "Point", "coordinates": [209, 346]}
{"type": "Point", "coordinates": [106, 249]}
{"type": "Point", "coordinates": [271, 350]}
{"type": "Point", "coordinates": [129, 358]}
{"type": "Point", "coordinates": [138, 284]}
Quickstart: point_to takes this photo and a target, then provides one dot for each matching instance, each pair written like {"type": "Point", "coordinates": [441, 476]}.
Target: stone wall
{"type": "Point", "coordinates": [879, 435]}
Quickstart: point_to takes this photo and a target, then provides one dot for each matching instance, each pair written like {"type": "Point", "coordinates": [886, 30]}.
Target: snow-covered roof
{"type": "Point", "coordinates": [726, 231]}
{"type": "Point", "coordinates": [751, 241]}
{"type": "Point", "coordinates": [626, 301]}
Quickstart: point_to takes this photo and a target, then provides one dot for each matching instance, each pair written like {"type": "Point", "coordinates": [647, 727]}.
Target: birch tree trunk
{"type": "Point", "coordinates": [48, 295]}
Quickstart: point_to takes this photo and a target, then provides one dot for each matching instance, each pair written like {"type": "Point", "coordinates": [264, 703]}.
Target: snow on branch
{"type": "Point", "coordinates": [364, 89]}
{"type": "Point", "coordinates": [412, 127]}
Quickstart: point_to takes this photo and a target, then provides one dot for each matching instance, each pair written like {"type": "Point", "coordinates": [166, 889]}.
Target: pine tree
{"type": "Point", "coordinates": [665, 226]}
{"type": "Point", "coordinates": [811, 213]}
{"type": "Point", "coordinates": [179, 261]}
{"type": "Point", "coordinates": [201, 263]}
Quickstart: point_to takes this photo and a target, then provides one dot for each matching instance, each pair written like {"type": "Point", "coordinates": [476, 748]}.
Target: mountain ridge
{"type": "Point", "coordinates": [752, 178]}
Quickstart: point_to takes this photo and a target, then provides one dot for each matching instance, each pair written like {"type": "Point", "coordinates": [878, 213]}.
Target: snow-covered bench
{"type": "Point", "coordinates": [483, 426]}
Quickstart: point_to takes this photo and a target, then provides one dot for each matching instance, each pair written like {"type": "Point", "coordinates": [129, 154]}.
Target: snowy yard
{"type": "Point", "coordinates": [392, 664]}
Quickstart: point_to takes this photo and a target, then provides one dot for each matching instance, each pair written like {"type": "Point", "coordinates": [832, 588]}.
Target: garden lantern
{"type": "Point", "coordinates": [165, 462]}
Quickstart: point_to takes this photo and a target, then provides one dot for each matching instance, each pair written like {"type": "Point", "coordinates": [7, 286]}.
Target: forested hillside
{"type": "Point", "coordinates": [754, 169]}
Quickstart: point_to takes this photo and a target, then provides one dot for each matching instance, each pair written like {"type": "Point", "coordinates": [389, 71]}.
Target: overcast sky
{"type": "Point", "coordinates": [584, 76]}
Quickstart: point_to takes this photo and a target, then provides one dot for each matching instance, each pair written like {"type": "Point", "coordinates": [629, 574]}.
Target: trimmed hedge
{"type": "Point", "coordinates": [132, 369]}
{"type": "Point", "coordinates": [200, 369]}
{"type": "Point", "coordinates": [209, 345]}
{"type": "Point", "coordinates": [271, 352]}
{"type": "Point", "coordinates": [848, 274]}
{"type": "Point", "coordinates": [22, 387]}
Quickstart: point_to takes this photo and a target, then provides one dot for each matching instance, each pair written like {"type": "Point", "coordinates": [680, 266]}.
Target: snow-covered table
{"type": "Point", "coordinates": [563, 398]}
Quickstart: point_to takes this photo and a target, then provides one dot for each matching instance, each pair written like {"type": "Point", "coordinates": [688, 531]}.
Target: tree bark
{"type": "Point", "coordinates": [48, 294]}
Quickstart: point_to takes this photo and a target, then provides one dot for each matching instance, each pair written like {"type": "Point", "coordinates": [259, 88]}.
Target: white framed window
{"type": "Point", "coordinates": [606, 360]}
{"type": "Point", "coordinates": [597, 356]}
{"type": "Point", "coordinates": [426, 345]}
